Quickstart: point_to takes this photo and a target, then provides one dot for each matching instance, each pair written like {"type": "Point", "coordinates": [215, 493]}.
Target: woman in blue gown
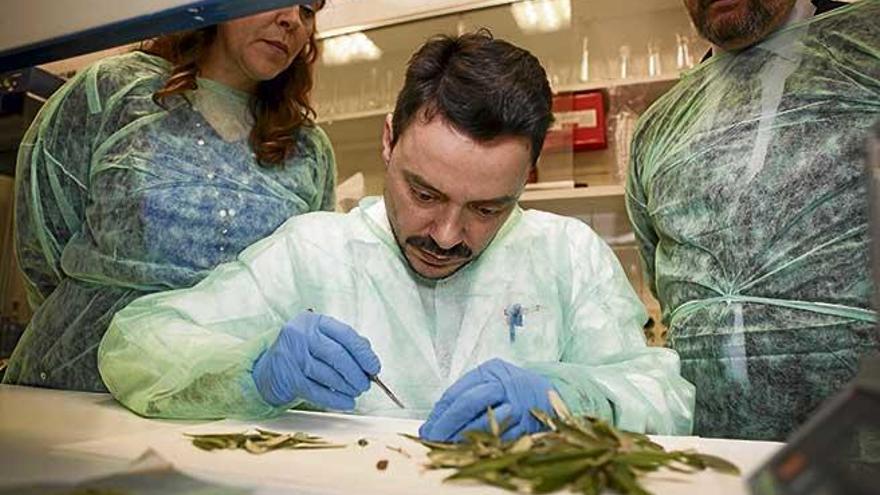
{"type": "Point", "coordinates": [148, 169]}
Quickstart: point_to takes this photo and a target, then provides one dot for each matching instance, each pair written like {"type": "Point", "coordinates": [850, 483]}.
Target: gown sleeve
{"type": "Point", "coordinates": [606, 369]}
{"type": "Point", "coordinates": [189, 353]}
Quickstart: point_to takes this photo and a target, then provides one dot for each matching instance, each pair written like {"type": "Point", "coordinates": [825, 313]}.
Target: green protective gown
{"type": "Point", "coordinates": [117, 197]}
{"type": "Point", "coordinates": [747, 193]}
{"type": "Point", "coordinates": [189, 353]}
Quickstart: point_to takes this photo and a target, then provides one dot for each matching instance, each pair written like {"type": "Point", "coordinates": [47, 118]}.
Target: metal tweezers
{"type": "Point", "coordinates": [375, 379]}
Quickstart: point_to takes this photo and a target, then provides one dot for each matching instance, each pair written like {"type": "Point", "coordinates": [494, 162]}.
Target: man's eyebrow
{"type": "Point", "coordinates": [414, 178]}
{"type": "Point", "coordinates": [501, 200]}
{"type": "Point", "coordinates": [419, 181]}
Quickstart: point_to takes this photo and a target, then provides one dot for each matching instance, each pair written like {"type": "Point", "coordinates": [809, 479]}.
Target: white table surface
{"type": "Point", "coordinates": [58, 436]}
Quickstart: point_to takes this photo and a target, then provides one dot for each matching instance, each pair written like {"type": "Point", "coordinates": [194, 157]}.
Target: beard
{"type": "Point", "coordinates": [740, 29]}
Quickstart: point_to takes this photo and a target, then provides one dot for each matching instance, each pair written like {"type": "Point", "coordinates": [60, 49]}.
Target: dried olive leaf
{"type": "Point", "coordinates": [209, 443]}
{"type": "Point", "coordinates": [564, 455]}
{"type": "Point", "coordinates": [278, 441]}
{"type": "Point", "coordinates": [522, 444]}
{"type": "Point", "coordinates": [451, 459]}
{"type": "Point", "coordinates": [624, 480]}
{"type": "Point", "coordinates": [255, 446]}
{"type": "Point", "coordinates": [483, 466]}
{"type": "Point", "coordinates": [259, 441]}
{"type": "Point", "coordinates": [431, 445]}
{"type": "Point", "coordinates": [494, 428]}
{"type": "Point", "coordinates": [591, 482]}
{"type": "Point", "coordinates": [559, 406]}
{"type": "Point", "coordinates": [550, 485]}
{"type": "Point", "coordinates": [220, 436]}
{"type": "Point", "coordinates": [583, 454]}
{"type": "Point", "coordinates": [716, 463]}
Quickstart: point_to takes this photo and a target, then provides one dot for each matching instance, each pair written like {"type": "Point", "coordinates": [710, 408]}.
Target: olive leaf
{"type": "Point", "coordinates": [582, 454]}
{"type": "Point", "coordinates": [260, 441]}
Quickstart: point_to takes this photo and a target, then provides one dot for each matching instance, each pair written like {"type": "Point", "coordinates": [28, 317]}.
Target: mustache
{"type": "Point", "coordinates": [460, 250]}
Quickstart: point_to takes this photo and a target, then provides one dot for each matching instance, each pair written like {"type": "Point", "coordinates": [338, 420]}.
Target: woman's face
{"type": "Point", "coordinates": [258, 48]}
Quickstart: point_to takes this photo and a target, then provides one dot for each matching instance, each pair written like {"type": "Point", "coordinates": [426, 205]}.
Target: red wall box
{"type": "Point", "coordinates": [580, 122]}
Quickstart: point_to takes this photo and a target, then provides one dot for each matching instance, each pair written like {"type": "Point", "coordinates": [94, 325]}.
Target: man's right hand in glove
{"type": "Point", "coordinates": [317, 359]}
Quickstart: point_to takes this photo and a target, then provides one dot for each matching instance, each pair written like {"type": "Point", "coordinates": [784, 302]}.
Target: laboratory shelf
{"type": "Point", "coordinates": [575, 200]}
{"type": "Point", "coordinates": [614, 83]}
{"type": "Point", "coordinates": [570, 88]}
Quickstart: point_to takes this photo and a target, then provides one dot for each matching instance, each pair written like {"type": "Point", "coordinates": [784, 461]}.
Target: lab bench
{"type": "Point", "coordinates": [67, 437]}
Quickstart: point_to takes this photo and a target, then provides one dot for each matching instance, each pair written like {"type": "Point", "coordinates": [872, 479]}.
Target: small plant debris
{"type": "Point", "coordinates": [399, 451]}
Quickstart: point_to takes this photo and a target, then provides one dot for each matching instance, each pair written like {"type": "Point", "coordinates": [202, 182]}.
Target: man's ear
{"type": "Point", "coordinates": [387, 138]}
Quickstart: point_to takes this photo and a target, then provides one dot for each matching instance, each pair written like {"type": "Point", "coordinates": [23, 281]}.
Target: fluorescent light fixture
{"type": "Point", "coordinates": [354, 47]}
{"type": "Point", "coordinates": [542, 16]}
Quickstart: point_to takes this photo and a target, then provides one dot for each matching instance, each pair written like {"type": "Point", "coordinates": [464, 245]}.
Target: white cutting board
{"type": "Point", "coordinates": [353, 469]}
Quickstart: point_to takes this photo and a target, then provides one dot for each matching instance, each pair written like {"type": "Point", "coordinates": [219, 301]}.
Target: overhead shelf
{"type": "Point", "coordinates": [614, 83]}
{"type": "Point", "coordinates": [575, 200]}
{"type": "Point", "coordinates": [571, 88]}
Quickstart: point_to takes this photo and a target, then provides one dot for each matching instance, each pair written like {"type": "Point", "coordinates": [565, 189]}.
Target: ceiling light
{"type": "Point", "coordinates": [348, 48]}
{"type": "Point", "coordinates": [542, 16]}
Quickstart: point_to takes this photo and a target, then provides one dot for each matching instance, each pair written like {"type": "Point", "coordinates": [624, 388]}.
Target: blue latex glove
{"type": "Point", "coordinates": [317, 359]}
{"type": "Point", "coordinates": [511, 391]}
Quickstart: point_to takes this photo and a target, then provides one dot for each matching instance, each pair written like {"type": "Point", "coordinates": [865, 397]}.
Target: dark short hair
{"type": "Point", "coordinates": [484, 87]}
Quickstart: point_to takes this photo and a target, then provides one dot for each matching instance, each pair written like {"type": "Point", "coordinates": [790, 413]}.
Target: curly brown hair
{"type": "Point", "coordinates": [280, 106]}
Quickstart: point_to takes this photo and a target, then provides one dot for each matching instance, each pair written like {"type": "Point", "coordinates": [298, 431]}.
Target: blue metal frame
{"type": "Point", "coordinates": [191, 16]}
{"type": "Point", "coordinates": [30, 80]}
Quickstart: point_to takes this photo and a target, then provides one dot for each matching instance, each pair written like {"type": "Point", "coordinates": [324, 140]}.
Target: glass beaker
{"type": "Point", "coordinates": [624, 62]}
{"type": "Point", "coordinates": [654, 68]}
{"type": "Point", "coordinates": [584, 74]}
